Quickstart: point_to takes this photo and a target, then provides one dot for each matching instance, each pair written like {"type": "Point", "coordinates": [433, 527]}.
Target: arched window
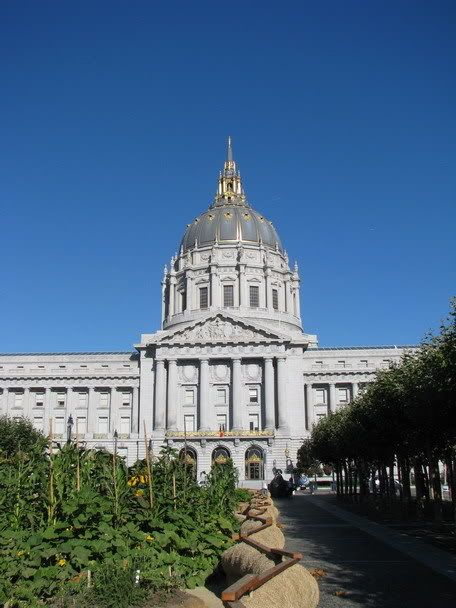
{"type": "Point", "coordinates": [254, 463]}
{"type": "Point", "coordinates": [220, 455]}
{"type": "Point", "coordinates": [189, 456]}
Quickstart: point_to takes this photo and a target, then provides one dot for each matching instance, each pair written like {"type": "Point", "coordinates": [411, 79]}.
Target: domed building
{"type": "Point", "coordinates": [231, 373]}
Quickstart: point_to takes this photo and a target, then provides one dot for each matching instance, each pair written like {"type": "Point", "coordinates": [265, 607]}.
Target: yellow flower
{"type": "Point", "coordinates": [149, 538]}
{"type": "Point", "coordinates": [139, 493]}
{"type": "Point", "coordinates": [20, 553]}
{"type": "Point", "coordinates": [61, 562]}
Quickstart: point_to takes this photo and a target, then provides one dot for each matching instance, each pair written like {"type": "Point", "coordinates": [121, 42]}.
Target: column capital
{"type": "Point", "coordinates": [236, 358]}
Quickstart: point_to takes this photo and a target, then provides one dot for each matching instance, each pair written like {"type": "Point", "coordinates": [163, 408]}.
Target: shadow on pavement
{"type": "Point", "coordinates": [369, 572]}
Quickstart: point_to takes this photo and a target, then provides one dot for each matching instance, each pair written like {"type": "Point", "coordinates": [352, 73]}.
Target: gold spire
{"type": "Point", "coordinates": [230, 190]}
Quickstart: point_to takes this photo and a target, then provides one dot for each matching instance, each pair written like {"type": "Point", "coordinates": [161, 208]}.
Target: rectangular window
{"type": "Point", "coordinates": [59, 425]}
{"type": "Point", "coordinates": [18, 398]}
{"type": "Point", "coordinates": [320, 396]}
{"type": "Point", "coordinates": [189, 396]}
{"type": "Point", "coordinates": [203, 297]}
{"type": "Point", "coordinates": [81, 425]}
{"type": "Point", "coordinates": [320, 416]}
{"type": "Point", "coordinates": [275, 299]}
{"type": "Point", "coordinates": [124, 425]}
{"type": "Point", "coordinates": [39, 399]}
{"type": "Point", "coordinates": [221, 422]}
{"type": "Point", "coordinates": [38, 423]}
{"type": "Point", "coordinates": [363, 363]}
{"type": "Point", "coordinates": [184, 300]}
{"type": "Point", "coordinates": [228, 295]}
{"type": "Point", "coordinates": [343, 395]}
{"type": "Point", "coordinates": [61, 399]}
{"type": "Point", "coordinates": [221, 396]}
{"type": "Point", "coordinates": [126, 399]}
{"type": "Point", "coordinates": [254, 296]}
{"type": "Point", "coordinates": [341, 364]}
{"type": "Point", "coordinates": [82, 400]}
{"type": "Point", "coordinates": [104, 399]}
{"type": "Point", "coordinates": [189, 423]}
{"type": "Point", "coordinates": [254, 422]}
{"type": "Point", "coordinates": [319, 363]}
{"type": "Point", "coordinates": [253, 395]}
{"type": "Point", "coordinates": [103, 427]}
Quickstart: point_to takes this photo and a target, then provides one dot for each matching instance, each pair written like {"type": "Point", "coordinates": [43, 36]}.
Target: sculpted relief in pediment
{"type": "Point", "coordinates": [218, 329]}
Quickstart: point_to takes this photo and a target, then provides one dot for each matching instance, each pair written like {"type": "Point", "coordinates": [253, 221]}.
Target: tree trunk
{"type": "Point", "coordinates": [436, 486]}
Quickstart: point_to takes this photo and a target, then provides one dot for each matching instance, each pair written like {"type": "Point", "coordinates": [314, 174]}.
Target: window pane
{"type": "Point", "coordinates": [203, 297]}
{"type": "Point", "coordinates": [189, 421]}
{"type": "Point", "coordinates": [320, 395]}
{"type": "Point", "coordinates": [103, 425]}
{"type": "Point", "coordinates": [81, 425]}
{"type": "Point", "coordinates": [221, 396]}
{"type": "Point", "coordinates": [221, 422]}
{"type": "Point", "coordinates": [228, 295]}
{"type": "Point", "coordinates": [253, 422]}
{"type": "Point", "coordinates": [253, 395]}
{"type": "Point", "coordinates": [126, 398]}
{"type": "Point", "coordinates": [189, 396]}
{"type": "Point", "coordinates": [275, 299]}
{"type": "Point", "coordinates": [125, 425]}
{"type": "Point", "coordinates": [254, 296]}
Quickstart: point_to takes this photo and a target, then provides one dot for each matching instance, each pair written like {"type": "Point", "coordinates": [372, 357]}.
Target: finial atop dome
{"type": "Point", "coordinates": [230, 190]}
{"type": "Point", "coordinates": [229, 155]}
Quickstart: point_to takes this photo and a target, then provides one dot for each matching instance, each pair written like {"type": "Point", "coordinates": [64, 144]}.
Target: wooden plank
{"type": "Point", "coordinates": [237, 589]}
{"type": "Point", "coordinates": [264, 578]}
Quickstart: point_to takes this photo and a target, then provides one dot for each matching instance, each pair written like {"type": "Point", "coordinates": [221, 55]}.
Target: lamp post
{"type": "Point", "coordinates": [69, 428]}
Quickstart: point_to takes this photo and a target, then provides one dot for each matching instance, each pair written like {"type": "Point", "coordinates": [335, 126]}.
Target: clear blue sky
{"type": "Point", "coordinates": [114, 117]}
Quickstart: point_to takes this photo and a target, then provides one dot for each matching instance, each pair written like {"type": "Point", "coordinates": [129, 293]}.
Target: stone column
{"type": "Point", "coordinates": [286, 285]}
{"type": "Point", "coordinates": [204, 404]}
{"type": "Point", "coordinates": [269, 393]}
{"type": "Point", "coordinates": [26, 405]}
{"type": "Point", "coordinates": [135, 411]}
{"type": "Point", "coordinates": [172, 395]}
{"type": "Point", "coordinates": [215, 288]}
{"type": "Point", "coordinates": [113, 421]}
{"type": "Point", "coordinates": [243, 298]}
{"type": "Point", "coordinates": [160, 394]}
{"type": "Point", "coordinates": [163, 307]}
{"type": "Point", "coordinates": [190, 305]}
{"type": "Point", "coordinates": [332, 398]}
{"type": "Point", "coordinates": [5, 401]}
{"type": "Point", "coordinates": [281, 393]}
{"type": "Point", "coordinates": [237, 394]}
{"type": "Point", "coordinates": [355, 390]}
{"type": "Point", "coordinates": [47, 410]}
{"type": "Point", "coordinates": [268, 290]}
{"type": "Point", "coordinates": [308, 392]}
{"type": "Point", "coordinates": [92, 412]}
{"type": "Point", "coordinates": [172, 289]}
{"type": "Point", "coordinates": [298, 302]}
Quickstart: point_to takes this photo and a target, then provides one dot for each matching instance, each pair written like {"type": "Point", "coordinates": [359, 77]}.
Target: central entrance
{"type": "Point", "coordinates": [254, 463]}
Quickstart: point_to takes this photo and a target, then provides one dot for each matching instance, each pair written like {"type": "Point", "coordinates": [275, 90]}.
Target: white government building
{"type": "Point", "coordinates": [231, 371]}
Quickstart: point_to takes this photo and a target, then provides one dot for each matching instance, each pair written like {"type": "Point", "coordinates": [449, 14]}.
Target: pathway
{"type": "Point", "coordinates": [374, 566]}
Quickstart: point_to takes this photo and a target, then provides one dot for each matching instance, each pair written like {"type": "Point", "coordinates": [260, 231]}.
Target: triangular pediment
{"type": "Point", "coordinates": [219, 328]}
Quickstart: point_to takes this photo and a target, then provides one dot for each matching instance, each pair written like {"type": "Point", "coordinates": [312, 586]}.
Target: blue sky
{"type": "Point", "coordinates": [114, 119]}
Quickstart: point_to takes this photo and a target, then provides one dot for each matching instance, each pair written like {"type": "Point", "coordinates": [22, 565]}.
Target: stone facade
{"type": "Point", "coordinates": [231, 372]}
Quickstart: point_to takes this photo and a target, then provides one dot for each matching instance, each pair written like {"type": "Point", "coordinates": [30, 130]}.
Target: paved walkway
{"type": "Point", "coordinates": [374, 566]}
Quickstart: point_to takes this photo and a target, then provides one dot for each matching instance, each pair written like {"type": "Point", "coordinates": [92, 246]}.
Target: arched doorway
{"type": "Point", "coordinates": [189, 456]}
{"type": "Point", "coordinates": [220, 455]}
{"type": "Point", "coordinates": [254, 463]}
